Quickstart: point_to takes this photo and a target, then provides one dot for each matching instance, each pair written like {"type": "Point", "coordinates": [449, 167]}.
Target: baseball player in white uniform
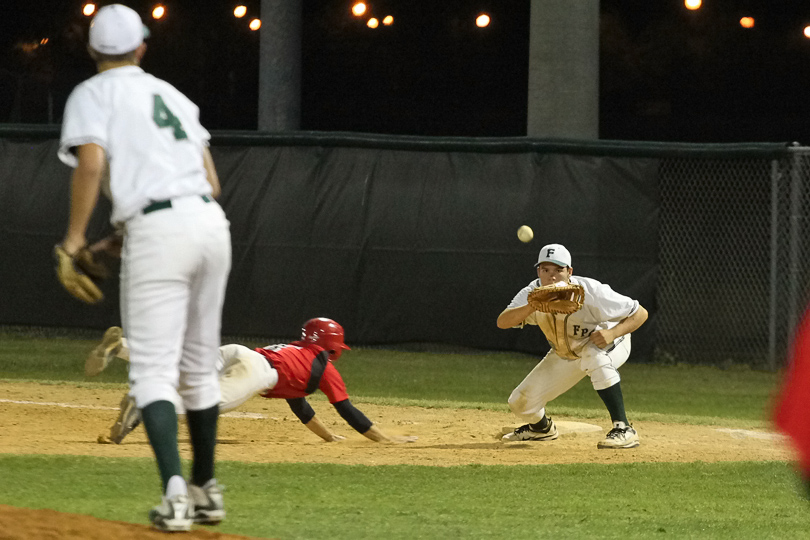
{"type": "Point", "coordinates": [594, 341]}
{"type": "Point", "coordinates": [176, 253]}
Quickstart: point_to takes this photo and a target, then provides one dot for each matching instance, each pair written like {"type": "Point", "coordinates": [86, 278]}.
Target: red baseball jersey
{"type": "Point", "coordinates": [302, 369]}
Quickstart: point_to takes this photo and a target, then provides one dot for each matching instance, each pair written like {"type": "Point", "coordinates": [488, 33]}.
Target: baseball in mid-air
{"type": "Point", "coordinates": [525, 233]}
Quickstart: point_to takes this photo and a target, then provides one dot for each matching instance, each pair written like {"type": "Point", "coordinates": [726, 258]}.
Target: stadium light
{"type": "Point", "coordinates": [482, 20]}
{"type": "Point", "coordinates": [158, 12]}
{"type": "Point", "coordinates": [373, 23]}
{"type": "Point", "coordinates": [388, 20]}
{"type": "Point", "coordinates": [358, 9]}
{"type": "Point", "coordinates": [747, 22]}
{"type": "Point", "coordinates": [88, 9]}
{"type": "Point", "coordinates": [27, 47]}
{"type": "Point", "coordinates": [239, 11]}
{"type": "Point", "coordinates": [692, 4]}
{"type": "Point", "coordinates": [255, 24]}
{"type": "Point", "coordinates": [807, 31]}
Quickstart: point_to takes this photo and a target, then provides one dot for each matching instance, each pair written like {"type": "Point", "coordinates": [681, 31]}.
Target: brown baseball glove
{"type": "Point", "coordinates": [557, 298]}
{"type": "Point", "coordinates": [80, 274]}
{"type": "Point", "coordinates": [109, 245]}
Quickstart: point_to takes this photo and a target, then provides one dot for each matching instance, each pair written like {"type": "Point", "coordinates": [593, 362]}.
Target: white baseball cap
{"type": "Point", "coordinates": [117, 29]}
{"type": "Point", "coordinates": [554, 253]}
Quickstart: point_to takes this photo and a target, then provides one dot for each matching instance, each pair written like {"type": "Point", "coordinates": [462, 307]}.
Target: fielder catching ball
{"type": "Point", "coordinates": [287, 371]}
{"type": "Point", "coordinates": [592, 338]}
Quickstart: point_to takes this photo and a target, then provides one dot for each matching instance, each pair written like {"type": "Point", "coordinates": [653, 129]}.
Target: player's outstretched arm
{"type": "Point", "coordinates": [303, 410]}
{"type": "Point", "coordinates": [317, 427]}
{"type": "Point", "coordinates": [511, 317]}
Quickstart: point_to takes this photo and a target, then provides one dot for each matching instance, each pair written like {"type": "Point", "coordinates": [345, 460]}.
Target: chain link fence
{"type": "Point", "coordinates": [734, 273]}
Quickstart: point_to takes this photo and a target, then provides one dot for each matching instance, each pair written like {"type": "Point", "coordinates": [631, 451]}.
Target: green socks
{"type": "Point", "coordinates": [613, 400]}
{"type": "Point", "coordinates": [160, 422]}
{"type": "Point", "coordinates": [202, 427]}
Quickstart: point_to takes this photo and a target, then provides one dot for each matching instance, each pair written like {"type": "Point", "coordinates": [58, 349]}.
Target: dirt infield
{"type": "Point", "coordinates": [67, 419]}
{"type": "Point", "coordinates": [25, 524]}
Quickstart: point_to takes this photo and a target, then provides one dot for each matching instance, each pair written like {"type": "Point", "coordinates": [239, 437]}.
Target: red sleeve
{"type": "Point", "coordinates": [332, 384]}
{"type": "Point", "coordinates": [794, 400]}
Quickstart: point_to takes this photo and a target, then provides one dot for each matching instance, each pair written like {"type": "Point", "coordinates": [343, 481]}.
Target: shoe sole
{"type": "Point", "coordinates": [178, 525]}
{"type": "Point", "coordinates": [101, 356]}
{"type": "Point", "coordinates": [533, 439]}
{"type": "Point", "coordinates": [174, 523]}
{"type": "Point", "coordinates": [544, 437]}
{"type": "Point", "coordinates": [129, 415]}
{"type": "Point", "coordinates": [634, 444]}
{"type": "Point", "coordinates": [209, 517]}
{"type": "Point", "coordinates": [118, 439]}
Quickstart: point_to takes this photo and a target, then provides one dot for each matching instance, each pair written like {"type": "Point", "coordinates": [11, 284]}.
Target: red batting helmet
{"type": "Point", "coordinates": [325, 333]}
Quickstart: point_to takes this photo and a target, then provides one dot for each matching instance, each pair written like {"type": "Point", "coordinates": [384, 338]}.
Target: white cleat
{"type": "Point", "coordinates": [526, 433]}
{"type": "Point", "coordinates": [620, 436]}
{"type": "Point", "coordinates": [173, 514]}
{"type": "Point", "coordinates": [209, 506]}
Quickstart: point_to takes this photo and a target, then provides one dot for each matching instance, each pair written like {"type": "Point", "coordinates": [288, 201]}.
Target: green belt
{"type": "Point", "coordinates": [161, 205]}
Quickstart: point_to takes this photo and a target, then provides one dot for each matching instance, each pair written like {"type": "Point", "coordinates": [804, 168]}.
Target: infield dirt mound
{"type": "Point", "coordinates": [67, 419]}
{"type": "Point", "coordinates": [27, 524]}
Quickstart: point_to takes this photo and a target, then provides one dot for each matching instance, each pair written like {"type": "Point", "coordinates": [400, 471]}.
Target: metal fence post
{"type": "Point", "coordinates": [794, 252]}
{"type": "Point", "coordinates": [775, 176]}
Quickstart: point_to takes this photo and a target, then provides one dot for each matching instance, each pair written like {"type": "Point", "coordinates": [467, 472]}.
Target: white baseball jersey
{"type": "Point", "coordinates": [569, 335]}
{"type": "Point", "coordinates": [150, 132]}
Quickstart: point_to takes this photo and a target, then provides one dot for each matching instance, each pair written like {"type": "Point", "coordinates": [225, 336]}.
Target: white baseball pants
{"type": "Point", "coordinates": [243, 374]}
{"type": "Point", "coordinates": [554, 376]}
{"type": "Point", "coordinates": [174, 270]}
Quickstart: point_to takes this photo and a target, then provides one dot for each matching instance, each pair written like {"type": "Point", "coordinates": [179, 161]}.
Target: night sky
{"type": "Point", "coordinates": [666, 73]}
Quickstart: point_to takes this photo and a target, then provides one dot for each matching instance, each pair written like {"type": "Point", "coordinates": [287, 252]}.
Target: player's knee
{"type": "Point", "coordinates": [517, 401]}
{"type": "Point", "coordinates": [604, 377]}
{"type": "Point", "coordinates": [199, 391]}
{"type": "Point", "coordinates": [519, 405]}
{"type": "Point", "coordinates": [147, 391]}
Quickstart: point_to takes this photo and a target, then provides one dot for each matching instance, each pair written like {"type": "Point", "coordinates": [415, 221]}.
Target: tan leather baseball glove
{"type": "Point", "coordinates": [557, 298]}
{"type": "Point", "coordinates": [80, 274]}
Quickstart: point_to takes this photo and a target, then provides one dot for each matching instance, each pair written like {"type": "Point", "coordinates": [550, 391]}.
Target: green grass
{"type": "Point", "coordinates": [666, 393]}
{"type": "Point", "coordinates": [58, 358]}
{"type": "Point", "coordinates": [289, 501]}
{"type": "Point", "coordinates": [649, 500]}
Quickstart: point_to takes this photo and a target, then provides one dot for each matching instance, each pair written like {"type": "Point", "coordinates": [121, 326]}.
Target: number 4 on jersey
{"type": "Point", "coordinates": [164, 118]}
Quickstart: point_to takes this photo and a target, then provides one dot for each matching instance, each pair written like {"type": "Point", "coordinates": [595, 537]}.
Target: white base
{"type": "Point", "coordinates": [744, 433]}
{"type": "Point", "coordinates": [577, 427]}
